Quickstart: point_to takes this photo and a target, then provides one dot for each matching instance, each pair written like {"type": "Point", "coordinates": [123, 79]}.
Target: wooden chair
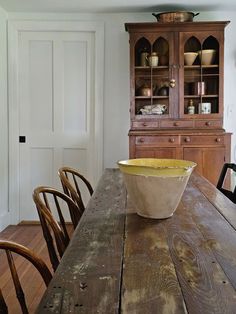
{"type": "Point", "coordinates": [71, 181]}
{"type": "Point", "coordinates": [49, 202]}
{"type": "Point", "coordinates": [231, 195]}
{"type": "Point", "coordinates": [9, 247]}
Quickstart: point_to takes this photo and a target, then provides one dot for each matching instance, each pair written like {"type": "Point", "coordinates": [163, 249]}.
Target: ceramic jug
{"type": "Point", "coordinates": [153, 59]}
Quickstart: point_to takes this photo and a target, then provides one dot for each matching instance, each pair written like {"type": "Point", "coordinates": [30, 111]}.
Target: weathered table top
{"type": "Point", "coordinates": [118, 262]}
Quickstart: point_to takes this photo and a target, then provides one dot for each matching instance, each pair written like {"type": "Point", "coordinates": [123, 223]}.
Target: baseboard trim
{"type": "Point", "coordinates": [29, 222]}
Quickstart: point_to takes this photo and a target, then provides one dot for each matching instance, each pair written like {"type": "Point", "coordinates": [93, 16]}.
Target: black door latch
{"type": "Point", "coordinates": [22, 139]}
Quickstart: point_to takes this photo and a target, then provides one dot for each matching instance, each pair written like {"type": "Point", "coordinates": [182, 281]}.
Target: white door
{"type": "Point", "coordinates": [56, 109]}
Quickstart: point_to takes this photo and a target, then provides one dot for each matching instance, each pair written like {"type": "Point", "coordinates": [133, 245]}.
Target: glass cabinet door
{"type": "Point", "coordinates": [152, 76]}
{"type": "Point", "coordinates": [200, 69]}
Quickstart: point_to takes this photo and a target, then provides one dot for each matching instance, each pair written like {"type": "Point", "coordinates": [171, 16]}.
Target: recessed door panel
{"type": "Point", "coordinates": [56, 95]}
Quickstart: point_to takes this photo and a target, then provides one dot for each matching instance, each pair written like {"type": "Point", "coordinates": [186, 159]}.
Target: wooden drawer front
{"type": "Point", "coordinates": [158, 140]}
{"type": "Point", "coordinates": [208, 124]}
{"type": "Point", "coordinates": [176, 124]}
{"type": "Point", "coordinates": [202, 140]}
{"type": "Point", "coordinates": [145, 125]}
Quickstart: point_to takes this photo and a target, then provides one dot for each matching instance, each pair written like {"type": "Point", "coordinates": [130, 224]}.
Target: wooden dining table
{"type": "Point", "coordinates": [119, 262]}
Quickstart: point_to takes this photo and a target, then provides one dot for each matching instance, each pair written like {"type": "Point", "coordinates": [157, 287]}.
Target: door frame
{"type": "Point", "coordinates": [14, 29]}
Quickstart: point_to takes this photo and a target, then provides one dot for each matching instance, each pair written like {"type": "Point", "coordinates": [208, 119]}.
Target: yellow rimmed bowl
{"type": "Point", "coordinates": [190, 57]}
{"type": "Point", "coordinates": [207, 56]}
{"type": "Point", "coordinates": [155, 186]}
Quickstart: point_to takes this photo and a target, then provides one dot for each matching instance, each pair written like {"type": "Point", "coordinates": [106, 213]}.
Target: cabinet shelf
{"type": "Point", "coordinates": [161, 77]}
{"type": "Point", "coordinates": [148, 68]}
{"type": "Point", "coordinates": [201, 96]}
{"type": "Point", "coordinates": [209, 75]}
{"type": "Point", "coordinates": [151, 97]}
{"type": "Point", "coordinates": [198, 66]}
{"type": "Point", "coordinates": [151, 116]}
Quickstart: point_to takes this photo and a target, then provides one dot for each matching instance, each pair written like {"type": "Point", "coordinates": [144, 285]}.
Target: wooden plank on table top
{"type": "Point", "coordinates": [217, 198]}
{"type": "Point", "coordinates": [88, 277]}
{"type": "Point", "coordinates": [149, 281]}
{"type": "Point", "coordinates": [205, 286]}
{"type": "Point", "coordinates": [154, 250]}
{"type": "Point", "coordinates": [220, 236]}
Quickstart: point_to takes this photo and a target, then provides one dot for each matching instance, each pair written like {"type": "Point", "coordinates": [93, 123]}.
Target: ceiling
{"type": "Point", "coordinates": [115, 6]}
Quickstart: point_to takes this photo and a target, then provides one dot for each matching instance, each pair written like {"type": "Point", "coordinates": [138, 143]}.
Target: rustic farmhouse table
{"type": "Point", "coordinates": [118, 262]}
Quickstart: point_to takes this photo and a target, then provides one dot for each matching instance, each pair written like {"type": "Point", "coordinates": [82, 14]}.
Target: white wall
{"type": "Point", "coordinates": [4, 215]}
{"type": "Point", "coordinates": [116, 87]}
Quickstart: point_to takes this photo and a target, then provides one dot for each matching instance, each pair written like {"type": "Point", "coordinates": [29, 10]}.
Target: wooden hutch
{"type": "Point", "coordinates": [181, 130]}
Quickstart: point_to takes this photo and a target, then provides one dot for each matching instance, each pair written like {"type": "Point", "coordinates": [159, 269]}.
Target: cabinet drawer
{"type": "Point", "coordinates": [202, 140]}
{"type": "Point", "coordinates": [176, 124]}
{"type": "Point", "coordinates": [145, 124]}
{"type": "Point", "coordinates": [160, 140]}
{"type": "Point", "coordinates": [208, 124]}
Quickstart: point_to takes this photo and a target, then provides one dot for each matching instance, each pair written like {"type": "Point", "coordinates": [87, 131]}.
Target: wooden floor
{"type": "Point", "coordinates": [31, 236]}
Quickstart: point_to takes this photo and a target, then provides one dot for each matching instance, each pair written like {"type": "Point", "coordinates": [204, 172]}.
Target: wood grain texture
{"type": "Point", "coordinates": [220, 202]}
{"type": "Point", "coordinates": [204, 284]}
{"type": "Point", "coordinates": [88, 277]}
{"type": "Point", "coordinates": [219, 234]}
{"type": "Point", "coordinates": [118, 262]}
{"type": "Point", "coordinates": [149, 277]}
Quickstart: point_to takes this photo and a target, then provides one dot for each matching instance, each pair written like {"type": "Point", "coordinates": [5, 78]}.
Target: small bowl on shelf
{"type": "Point", "coordinates": [207, 56]}
{"type": "Point", "coordinates": [155, 186]}
{"type": "Point", "coordinates": [190, 57]}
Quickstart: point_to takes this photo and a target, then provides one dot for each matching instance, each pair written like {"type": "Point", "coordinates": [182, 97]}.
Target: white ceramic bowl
{"type": "Point", "coordinates": [155, 186]}
{"type": "Point", "coordinates": [190, 57]}
{"type": "Point", "coordinates": [207, 56]}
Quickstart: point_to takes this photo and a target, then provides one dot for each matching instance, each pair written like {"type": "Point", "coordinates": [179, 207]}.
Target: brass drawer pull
{"type": "Point", "coordinates": [176, 124]}
{"type": "Point", "coordinates": [141, 140]}
{"type": "Point", "coordinates": [145, 124]}
{"type": "Point", "coordinates": [171, 139]}
{"type": "Point", "coordinates": [208, 123]}
{"type": "Point", "coordinates": [218, 140]}
{"type": "Point", "coordinates": [187, 139]}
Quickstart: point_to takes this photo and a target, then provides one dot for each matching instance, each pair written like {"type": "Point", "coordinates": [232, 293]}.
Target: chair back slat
{"type": "Point", "coordinates": [76, 185]}
{"type": "Point", "coordinates": [71, 192]}
{"type": "Point", "coordinates": [60, 238]}
{"type": "Point", "coordinates": [46, 200]}
{"type": "Point", "coordinates": [61, 218]}
{"type": "Point", "coordinates": [38, 263]}
{"type": "Point", "coordinates": [49, 240]}
{"type": "Point", "coordinates": [19, 291]}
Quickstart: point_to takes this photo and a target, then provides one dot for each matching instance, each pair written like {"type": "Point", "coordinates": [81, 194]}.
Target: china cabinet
{"type": "Point", "coordinates": [176, 93]}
